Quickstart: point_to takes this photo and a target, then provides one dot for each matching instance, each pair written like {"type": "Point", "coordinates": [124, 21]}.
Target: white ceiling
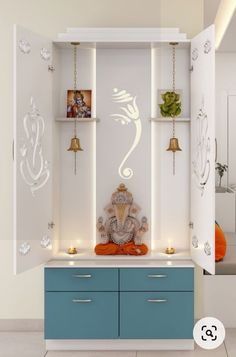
{"type": "Point", "coordinates": [228, 43]}
{"type": "Point", "coordinates": [210, 10]}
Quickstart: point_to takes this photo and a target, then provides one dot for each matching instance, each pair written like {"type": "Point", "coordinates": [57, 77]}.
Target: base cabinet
{"type": "Point", "coordinates": [156, 315]}
{"type": "Point", "coordinates": [83, 315]}
{"type": "Point", "coordinates": [140, 303]}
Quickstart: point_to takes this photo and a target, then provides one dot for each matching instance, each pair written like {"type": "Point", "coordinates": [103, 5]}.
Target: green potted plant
{"type": "Point", "coordinates": [221, 169]}
{"type": "Point", "coordinates": [172, 105]}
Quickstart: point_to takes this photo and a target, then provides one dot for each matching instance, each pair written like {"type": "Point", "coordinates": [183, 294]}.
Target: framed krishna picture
{"type": "Point", "coordinates": [79, 103]}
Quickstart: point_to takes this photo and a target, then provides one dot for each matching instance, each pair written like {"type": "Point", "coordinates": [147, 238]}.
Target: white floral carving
{"type": "Point", "coordinates": [45, 54]}
{"type": "Point", "coordinates": [24, 248]}
{"type": "Point", "coordinates": [194, 242]}
{"type": "Point", "coordinates": [207, 248]}
{"type": "Point", "coordinates": [195, 54]}
{"type": "Point", "coordinates": [207, 46]}
{"type": "Point", "coordinates": [131, 115]}
{"type": "Point", "coordinates": [24, 46]}
{"type": "Point", "coordinates": [33, 168]}
{"type": "Point", "coordinates": [201, 161]}
{"type": "Point", "coordinates": [45, 241]}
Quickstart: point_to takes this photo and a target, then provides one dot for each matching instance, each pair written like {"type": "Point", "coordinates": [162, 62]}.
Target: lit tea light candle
{"type": "Point", "coordinates": [72, 250]}
{"type": "Point", "coordinates": [170, 249]}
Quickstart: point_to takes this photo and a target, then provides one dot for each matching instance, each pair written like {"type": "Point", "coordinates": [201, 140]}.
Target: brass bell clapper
{"type": "Point", "coordinates": [75, 142]}
{"type": "Point", "coordinates": [174, 142]}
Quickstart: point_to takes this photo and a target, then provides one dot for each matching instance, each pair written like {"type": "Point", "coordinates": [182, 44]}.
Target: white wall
{"type": "Point", "coordinates": [169, 204]}
{"type": "Point", "coordinates": [22, 296]}
{"type": "Point", "coordinates": [118, 68]}
{"type": "Point", "coordinates": [225, 83]}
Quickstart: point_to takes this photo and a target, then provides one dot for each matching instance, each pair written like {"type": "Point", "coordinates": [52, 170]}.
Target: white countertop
{"type": "Point", "coordinates": [119, 263]}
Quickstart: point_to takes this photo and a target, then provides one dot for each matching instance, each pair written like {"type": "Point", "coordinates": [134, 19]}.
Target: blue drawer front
{"type": "Point", "coordinates": [81, 315]}
{"type": "Point", "coordinates": [156, 279]}
{"type": "Point", "coordinates": [149, 315]}
{"type": "Point", "coordinates": [73, 279]}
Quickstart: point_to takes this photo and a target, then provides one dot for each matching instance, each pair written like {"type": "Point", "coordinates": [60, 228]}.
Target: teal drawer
{"type": "Point", "coordinates": [150, 315]}
{"type": "Point", "coordinates": [84, 279]}
{"type": "Point", "coordinates": [156, 279]}
{"type": "Point", "coordinates": [90, 315]}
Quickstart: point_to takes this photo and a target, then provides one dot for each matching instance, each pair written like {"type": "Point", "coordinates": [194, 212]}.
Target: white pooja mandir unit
{"type": "Point", "coordinates": [55, 209]}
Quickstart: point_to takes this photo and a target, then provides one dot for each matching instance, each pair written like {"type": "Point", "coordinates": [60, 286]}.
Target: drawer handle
{"type": "Point", "coordinates": [78, 301]}
{"type": "Point", "coordinates": [82, 276]}
{"type": "Point", "coordinates": [157, 276]}
{"type": "Point", "coordinates": [157, 300]}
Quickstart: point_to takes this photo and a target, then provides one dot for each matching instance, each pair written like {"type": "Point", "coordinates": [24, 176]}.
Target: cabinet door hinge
{"type": "Point", "coordinates": [51, 68]}
{"type": "Point", "coordinates": [51, 225]}
{"type": "Point", "coordinates": [191, 69]}
{"type": "Point", "coordinates": [191, 225]}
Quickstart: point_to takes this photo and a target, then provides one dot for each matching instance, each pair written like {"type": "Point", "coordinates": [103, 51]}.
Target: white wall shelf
{"type": "Point", "coordinates": [79, 120]}
{"type": "Point", "coordinates": [123, 35]}
{"type": "Point", "coordinates": [169, 120]}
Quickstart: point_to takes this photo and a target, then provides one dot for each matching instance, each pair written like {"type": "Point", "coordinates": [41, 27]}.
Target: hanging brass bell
{"type": "Point", "coordinates": [75, 145]}
{"type": "Point", "coordinates": [174, 145]}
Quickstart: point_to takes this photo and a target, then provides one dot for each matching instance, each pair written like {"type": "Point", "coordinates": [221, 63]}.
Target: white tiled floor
{"type": "Point", "coordinates": [31, 344]}
{"type": "Point", "coordinates": [230, 342]}
{"type": "Point", "coordinates": [21, 344]}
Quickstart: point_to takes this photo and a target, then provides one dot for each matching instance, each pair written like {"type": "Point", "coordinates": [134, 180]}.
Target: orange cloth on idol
{"type": "Point", "coordinates": [220, 243]}
{"type": "Point", "coordinates": [122, 249]}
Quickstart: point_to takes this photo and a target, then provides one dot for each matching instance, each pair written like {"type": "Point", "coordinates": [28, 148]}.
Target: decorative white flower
{"type": "Point", "coordinates": [24, 46]}
{"type": "Point", "coordinates": [195, 54]}
{"type": "Point", "coordinates": [24, 248]}
{"type": "Point", "coordinates": [207, 46]}
{"type": "Point", "coordinates": [207, 248]}
{"type": "Point", "coordinates": [45, 54]}
{"type": "Point", "coordinates": [45, 241]}
{"type": "Point", "coordinates": [194, 242]}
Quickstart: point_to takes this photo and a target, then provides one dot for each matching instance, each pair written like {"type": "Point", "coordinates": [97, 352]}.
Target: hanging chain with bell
{"type": "Point", "coordinates": [174, 144]}
{"type": "Point", "coordinates": [173, 80]}
{"type": "Point", "coordinates": [75, 143]}
{"type": "Point", "coordinates": [75, 79]}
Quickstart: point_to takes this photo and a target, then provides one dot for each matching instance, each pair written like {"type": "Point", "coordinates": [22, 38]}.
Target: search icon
{"type": "Point", "coordinates": [209, 333]}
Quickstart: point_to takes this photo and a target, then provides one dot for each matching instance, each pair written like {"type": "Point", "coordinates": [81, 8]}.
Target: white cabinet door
{"type": "Point", "coordinates": [203, 149]}
{"type": "Point", "coordinates": [32, 150]}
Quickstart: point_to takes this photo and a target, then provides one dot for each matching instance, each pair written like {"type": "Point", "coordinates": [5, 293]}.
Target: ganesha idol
{"type": "Point", "coordinates": [122, 233]}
